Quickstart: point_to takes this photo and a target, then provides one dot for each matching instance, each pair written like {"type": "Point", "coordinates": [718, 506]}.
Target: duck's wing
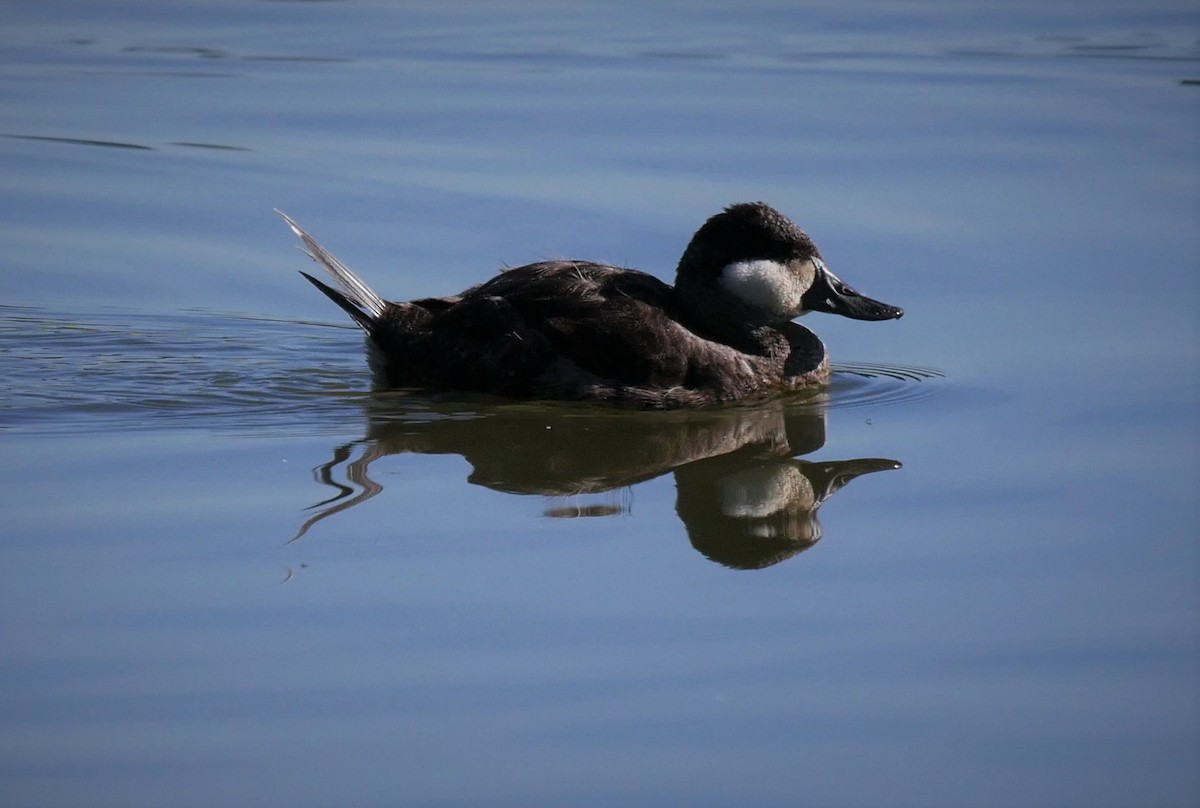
{"type": "Point", "coordinates": [615, 324]}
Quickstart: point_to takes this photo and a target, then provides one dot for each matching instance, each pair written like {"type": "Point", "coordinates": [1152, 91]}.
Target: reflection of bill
{"type": "Point", "coordinates": [745, 499]}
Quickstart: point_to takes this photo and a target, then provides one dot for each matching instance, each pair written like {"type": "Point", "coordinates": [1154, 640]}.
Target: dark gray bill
{"type": "Point", "coordinates": [830, 294]}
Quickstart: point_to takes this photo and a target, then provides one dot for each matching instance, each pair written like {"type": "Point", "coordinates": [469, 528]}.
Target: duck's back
{"type": "Point", "coordinates": [562, 329]}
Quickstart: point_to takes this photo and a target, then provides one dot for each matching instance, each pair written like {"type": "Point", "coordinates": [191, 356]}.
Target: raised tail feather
{"type": "Point", "coordinates": [354, 297]}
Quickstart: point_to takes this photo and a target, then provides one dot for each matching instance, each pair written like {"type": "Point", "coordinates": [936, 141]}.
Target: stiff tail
{"type": "Point", "coordinates": [355, 297]}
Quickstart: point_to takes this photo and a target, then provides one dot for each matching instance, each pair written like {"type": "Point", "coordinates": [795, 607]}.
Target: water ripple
{"type": "Point", "coordinates": [856, 384]}
{"type": "Point", "coordinates": [134, 370]}
{"type": "Point", "coordinates": [115, 371]}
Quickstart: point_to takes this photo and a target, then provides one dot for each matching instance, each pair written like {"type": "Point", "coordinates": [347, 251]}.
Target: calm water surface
{"type": "Point", "coordinates": [967, 573]}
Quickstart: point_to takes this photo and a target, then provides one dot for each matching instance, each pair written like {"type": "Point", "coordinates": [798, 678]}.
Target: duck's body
{"type": "Point", "coordinates": [582, 330]}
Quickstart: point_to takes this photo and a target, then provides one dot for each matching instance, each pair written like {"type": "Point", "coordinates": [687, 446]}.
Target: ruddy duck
{"type": "Point", "coordinates": [586, 331]}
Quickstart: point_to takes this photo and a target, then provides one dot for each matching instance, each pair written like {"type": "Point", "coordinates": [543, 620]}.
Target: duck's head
{"type": "Point", "coordinates": [750, 262]}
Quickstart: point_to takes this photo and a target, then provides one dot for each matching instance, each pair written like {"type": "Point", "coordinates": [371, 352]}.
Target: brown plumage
{"type": "Point", "coordinates": [583, 330]}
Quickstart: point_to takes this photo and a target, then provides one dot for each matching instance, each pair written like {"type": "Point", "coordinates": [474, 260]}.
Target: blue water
{"type": "Point", "coordinates": [965, 574]}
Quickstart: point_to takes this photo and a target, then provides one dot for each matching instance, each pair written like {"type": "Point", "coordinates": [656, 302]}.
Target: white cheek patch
{"type": "Point", "coordinates": [764, 284]}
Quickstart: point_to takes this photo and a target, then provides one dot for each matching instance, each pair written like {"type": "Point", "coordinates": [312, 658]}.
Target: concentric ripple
{"type": "Point", "coordinates": [857, 384]}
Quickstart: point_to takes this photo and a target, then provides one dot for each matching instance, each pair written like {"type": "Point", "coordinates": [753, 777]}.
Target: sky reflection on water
{"type": "Point", "coordinates": [1010, 618]}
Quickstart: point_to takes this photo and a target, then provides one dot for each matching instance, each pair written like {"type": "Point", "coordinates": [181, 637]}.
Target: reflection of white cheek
{"type": "Point", "coordinates": [759, 492]}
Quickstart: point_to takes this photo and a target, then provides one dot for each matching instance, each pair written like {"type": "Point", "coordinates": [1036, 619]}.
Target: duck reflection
{"type": "Point", "coordinates": [745, 498]}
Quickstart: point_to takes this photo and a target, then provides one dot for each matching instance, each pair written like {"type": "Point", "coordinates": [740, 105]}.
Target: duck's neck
{"type": "Point", "coordinates": [806, 352]}
{"type": "Point", "coordinates": [729, 322]}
